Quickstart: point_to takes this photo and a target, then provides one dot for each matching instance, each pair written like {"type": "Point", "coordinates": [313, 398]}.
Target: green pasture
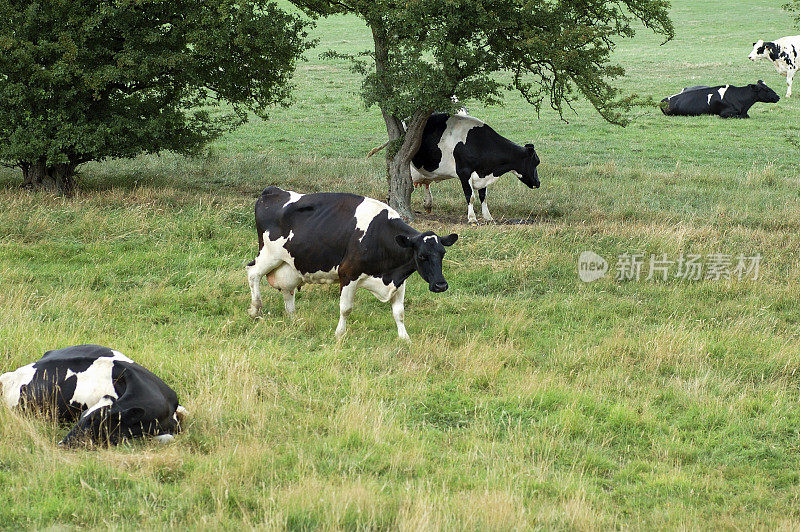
{"type": "Point", "coordinates": [527, 399]}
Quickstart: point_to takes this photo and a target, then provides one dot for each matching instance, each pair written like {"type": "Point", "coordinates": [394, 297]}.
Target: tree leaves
{"type": "Point", "coordinates": [83, 80]}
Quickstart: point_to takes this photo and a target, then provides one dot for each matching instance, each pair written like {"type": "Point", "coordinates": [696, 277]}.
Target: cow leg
{"type": "Point", "coordinates": [263, 264]}
{"type": "Point", "coordinates": [465, 184]}
{"type": "Point", "coordinates": [346, 297]}
{"type": "Point", "coordinates": [399, 312]}
{"type": "Point", "coordinates": [789, 77]}
{"type": "Point", "coordinates": [428, 200]}
{"type": "Point", "coordinates": [484, 206]}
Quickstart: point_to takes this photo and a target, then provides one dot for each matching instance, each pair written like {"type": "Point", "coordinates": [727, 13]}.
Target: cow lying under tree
{"type": "Point", "coordinates": [328, 237]}
{"type": "Point", "coordinates": [111, 397]}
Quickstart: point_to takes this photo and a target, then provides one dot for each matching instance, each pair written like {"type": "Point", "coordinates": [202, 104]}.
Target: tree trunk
{"type": "Point", "coordinates": [56, 178]}
{"type": "Point", "coordinates": [398, 163]}
{"type": "Point", "coordinates": [398, 159]}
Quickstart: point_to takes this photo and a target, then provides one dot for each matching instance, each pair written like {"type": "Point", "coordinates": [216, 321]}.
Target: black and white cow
{"type": "Point", "coordinates": [463, 147]}
{"type": "Point", "coordinates": [726, 101]}
{"type": "Point", "coordinates": [344, 238]}
{"type": "Point", "coordinates": [784, 54]}
{"type": "Point", "coordinates": [109, 396]}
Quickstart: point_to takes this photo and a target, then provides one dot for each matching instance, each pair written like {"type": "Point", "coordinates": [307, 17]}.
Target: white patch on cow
{"type": "Point", "coordinates": [321, 277]}
{"type": "Point", "coordinates": [456, 131]}
{"type": "Point", "coordinates": [293, 196]}
{"type": "Point", "coordinates": [471, 214]}
{"type": "Point", "coordinates": [722, 91]}
{"type": "Point", "coordinates": [485, 212]}
{"type": "Point", "coordinates": [478, 182]}
{"type": "Point", "coordinates": [12, 382]}
{"type": "Point", "coordinates": [105, 401]}
{"type": "Point", "coordinates": [345, 306]}
{"type": "Point", "coordinates": [119, 356]}
{"type": "Point", "coordinates": [433, 238]}
{"type": "Point", "coordinates": [164, 438]}
{"type": "Point", "coordinates": [709, 98]}
{"type": "Point", "coordinates": [376, 286]}
{"type": "Point", "coordinates": [291, 236]}
{"type": "Point", "coordinates": [367, 211]}
{"type": "Point", "coordinates": [96, 382]}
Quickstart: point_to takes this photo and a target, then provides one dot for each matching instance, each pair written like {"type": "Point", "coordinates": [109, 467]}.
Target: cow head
{"type": "Point", "coordinates": [764, 50]}
{"type": "Point", "coordinates": [429, 250]}
{"type": "Point", "coordinates": [526, 172]}
{"type": "Point", "coordinates": [764, 93]}
{"type": "Point", "coordinates": [114, 422]}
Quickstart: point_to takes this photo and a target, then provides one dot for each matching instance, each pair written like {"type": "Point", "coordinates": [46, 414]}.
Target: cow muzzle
{"type": "Point", "coordinates": [438, 287]}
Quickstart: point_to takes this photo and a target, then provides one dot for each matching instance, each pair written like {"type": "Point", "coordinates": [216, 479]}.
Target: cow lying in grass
{"type": "Point", "coordinates": [109, 396]}
{"type": "Point", "coordinates": [344, 238]}
{"type": "Point", "coordinates": [726, 101]}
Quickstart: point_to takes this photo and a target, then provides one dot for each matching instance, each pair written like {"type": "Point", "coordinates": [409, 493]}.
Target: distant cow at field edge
{"type": "Point", "coordinates": [329, 237]}
{"type": "Point", "coordinates": [726, 101]}
{"type": "Point", "coordinates": [463, 147]}
{"type": "Point", "coordinates": [111, 397]}
{"type": "Point", "coordinates": [784, 54]}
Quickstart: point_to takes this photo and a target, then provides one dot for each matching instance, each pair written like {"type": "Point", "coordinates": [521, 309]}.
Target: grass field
{"type": "Point", "coordinates": [527, 399]}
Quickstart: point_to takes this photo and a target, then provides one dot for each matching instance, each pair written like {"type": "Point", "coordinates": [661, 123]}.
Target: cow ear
{"type": "Point", "coordinates": [449, 240]}
{"type": "Point", "coordinates": [529, 147]}
{"type": "Point", "coordinates": [403, 241]}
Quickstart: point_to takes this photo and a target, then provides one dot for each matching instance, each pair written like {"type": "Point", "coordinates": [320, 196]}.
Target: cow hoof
{"type": "Point", "coordinates": [164, 438]}
{"type": "Point", "coordinates": [254, 311]}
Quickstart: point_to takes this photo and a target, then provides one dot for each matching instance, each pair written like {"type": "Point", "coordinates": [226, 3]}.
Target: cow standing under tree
{"type": "Point", "coordinates": [330, 237]}
{"type": "Point", "coordinates": [784, 54]}
{"type": "Point", "coordinates": [461, 146]}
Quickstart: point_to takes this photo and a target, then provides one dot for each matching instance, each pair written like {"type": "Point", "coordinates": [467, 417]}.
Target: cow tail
{"type": "Point", "coordinates": [373, 151]}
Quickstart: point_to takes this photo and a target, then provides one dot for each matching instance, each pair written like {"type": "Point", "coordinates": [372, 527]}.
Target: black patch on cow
{"type": "Point", "coordinates": [304, 219]}
{"type": "Point", "coordinates": [774, 50]}
{"type": "Point", "coordinates": [695, 88]}
{"type": "Point", "coordinates": [429, 156]}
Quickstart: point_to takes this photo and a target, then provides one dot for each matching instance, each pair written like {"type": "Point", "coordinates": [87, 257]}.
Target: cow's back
{"type": "Point", "coordinates": [692, 101]}
{"type": "Point", "coordinates": [317, 231]}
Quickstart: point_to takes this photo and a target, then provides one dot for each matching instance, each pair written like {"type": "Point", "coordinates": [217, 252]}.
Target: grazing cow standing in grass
{"type": "Point", "coordinates": [463, 147]}
{"type": "Point", "coordinates": [111, 397]}
{"type": "Point", "coordinates": [784, 54]}
{"type": "Point", "coordinates": [726, 101]}
{"type": "Point", "coordinates": [357, 241]}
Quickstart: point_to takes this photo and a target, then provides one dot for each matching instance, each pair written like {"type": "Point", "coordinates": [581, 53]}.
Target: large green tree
{"type": "Point", "coordinates": [82, 80]}
{"type": "Point", "coordinates": [425, 51]}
